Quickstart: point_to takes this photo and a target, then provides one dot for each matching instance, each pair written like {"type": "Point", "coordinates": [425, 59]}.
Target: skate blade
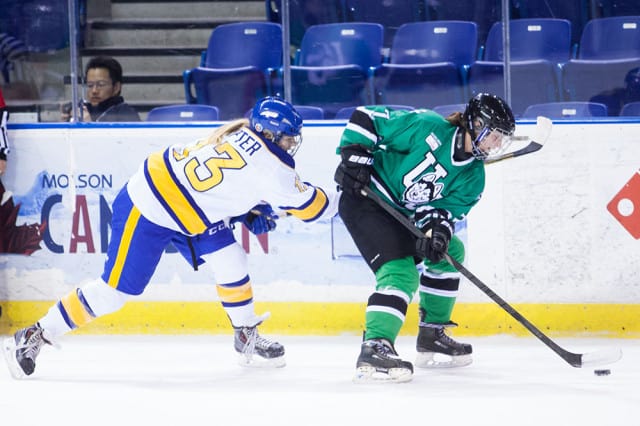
{"type": "Point", "coordinates": [9, 352]}
{"type": "Point", "coordinates": [437, 360]}
{"type": "Point", "coordinates": [371, 375]}
{"type": "Point", "coordinates": [258, 362]}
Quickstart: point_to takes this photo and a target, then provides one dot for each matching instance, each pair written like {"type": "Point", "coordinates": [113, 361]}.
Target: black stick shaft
{"type": "Point", "coordinates": [573, 359]}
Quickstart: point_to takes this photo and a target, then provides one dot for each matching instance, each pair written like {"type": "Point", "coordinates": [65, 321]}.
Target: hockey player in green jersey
{"type": "Point", "coordinates": [431, 169]}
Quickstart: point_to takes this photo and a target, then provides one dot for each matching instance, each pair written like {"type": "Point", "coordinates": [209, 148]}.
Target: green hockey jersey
{"type": "Point", "coordinates": [414, 165]}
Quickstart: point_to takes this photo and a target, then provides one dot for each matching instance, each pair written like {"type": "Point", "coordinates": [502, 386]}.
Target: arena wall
{"type": "Point", "coordinates": [541, 237]}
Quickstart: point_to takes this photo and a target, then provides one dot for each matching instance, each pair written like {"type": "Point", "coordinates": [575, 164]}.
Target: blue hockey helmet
{"type": "Point", "coordinates": [278, 121]}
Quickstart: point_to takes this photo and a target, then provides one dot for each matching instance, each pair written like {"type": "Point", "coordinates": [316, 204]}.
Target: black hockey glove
{"type": "Point", "coordinates": [354, 171]}
{"type": "Point", "coordinates": [436, 241]}
{"type": "Point", "coordinates": [259, 220]}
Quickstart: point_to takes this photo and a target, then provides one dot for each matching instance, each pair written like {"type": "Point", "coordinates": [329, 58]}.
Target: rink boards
{"type": "Point", "coordinates": [541, 237]}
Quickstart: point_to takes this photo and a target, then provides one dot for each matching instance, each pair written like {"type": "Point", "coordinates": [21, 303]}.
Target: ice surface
{"type": "Point", "coordinates": [182, 380]}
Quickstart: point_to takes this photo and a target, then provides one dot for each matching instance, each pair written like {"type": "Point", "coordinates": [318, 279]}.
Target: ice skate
{"type": "Point", "coordinates": [379, 362]}
{"type": "Point", "coordinates": [257, 351]}
{"type": "Point", "coordinates": [437, 350]}
{"type": "Point", "coordinates": [21, 350]}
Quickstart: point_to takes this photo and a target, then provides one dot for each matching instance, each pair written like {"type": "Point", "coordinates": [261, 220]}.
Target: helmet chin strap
{"type": "Point", "coordinates": [459, 152]}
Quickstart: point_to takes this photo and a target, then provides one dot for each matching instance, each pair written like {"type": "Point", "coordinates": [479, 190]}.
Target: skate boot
{"type": "Point", "coordinates": [21, 350]}
{"type": "Point", "coordinates": [255, 350]}
{"type": "Point", "coordinates": [437, 350]}
{"type": "Point", "coordinates": [379, 362]}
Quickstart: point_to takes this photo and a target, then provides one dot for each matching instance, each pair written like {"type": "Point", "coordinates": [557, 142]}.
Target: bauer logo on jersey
{"type": "Point", "coordinates": [433, 141]}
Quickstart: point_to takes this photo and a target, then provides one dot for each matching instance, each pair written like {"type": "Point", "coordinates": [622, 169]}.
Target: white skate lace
{"type": "Point", "coordinates": [254, 340]}
{"type": "Point", "coordinates": [384, 350]}
{"type": "Point", "coordinates": [250, 346]}
{"type": "Point", "coordinates": [32, 344]}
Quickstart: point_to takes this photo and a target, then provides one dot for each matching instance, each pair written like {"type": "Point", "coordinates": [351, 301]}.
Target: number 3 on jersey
{"type": "Point", "coordinates": [228, 158]}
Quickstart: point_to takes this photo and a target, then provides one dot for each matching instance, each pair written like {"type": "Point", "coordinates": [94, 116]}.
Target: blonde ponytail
{"type": "Point", "coordinates": [218, 135]}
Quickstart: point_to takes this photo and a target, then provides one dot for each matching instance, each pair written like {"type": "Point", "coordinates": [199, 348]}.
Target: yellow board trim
{"type": "Point", "coordinates": [329, 318]}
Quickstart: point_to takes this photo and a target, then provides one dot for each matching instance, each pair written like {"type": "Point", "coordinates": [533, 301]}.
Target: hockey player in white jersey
{"type": "Point", "coordinates": [189, 196]}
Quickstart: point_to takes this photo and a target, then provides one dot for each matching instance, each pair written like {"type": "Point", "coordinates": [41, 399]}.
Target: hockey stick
{"type": "Point", "coordinates": [542, 133]}
{"type": "Point", "coordinates": [605, 356]}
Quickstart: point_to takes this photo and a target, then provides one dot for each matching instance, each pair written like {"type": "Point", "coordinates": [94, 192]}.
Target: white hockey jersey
{"type": "Point", "coordinates": [188, 188]}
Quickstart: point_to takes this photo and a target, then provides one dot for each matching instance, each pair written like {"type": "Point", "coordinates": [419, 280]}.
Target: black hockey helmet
{"type": "Point", "coordinates": [486, 115]}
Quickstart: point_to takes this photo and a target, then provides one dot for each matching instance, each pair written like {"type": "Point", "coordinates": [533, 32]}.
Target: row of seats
{"type": "Point", "coordinates": [393, 13]}
{"type": "Point", "coordinates": [41, 25]}
{"type": "Point", "coordinates": [553, 110]}
{"type": "Point", "coordinates": [430, 63]}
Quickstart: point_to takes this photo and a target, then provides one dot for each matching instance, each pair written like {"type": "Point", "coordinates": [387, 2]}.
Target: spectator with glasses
{"type": "Point", "coordinates": [103, 101]}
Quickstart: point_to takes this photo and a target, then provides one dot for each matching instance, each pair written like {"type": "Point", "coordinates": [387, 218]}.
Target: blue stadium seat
{"type": "Point", "coordinates": [236, 68]}
{"type": "Point", "coordinates": [44, 25]}
{"type": "Point", "coordinates": [390, 13]}
{"type": "Point", "coordinates": [625, 8]}
{"type": "Point", "coordinates": [242, 44]}
{"type": "Point", "coordinates": [618, 8]}
{"type": "Point", "coordinates": [184, 112]}
{"type": "Point", "coordinates": [11, 17]}
{"type": "Point", "coordinates": [445, 110]}
{"type": "Point", "coordinates": [483, 12]}
{"type": "Point", "coordinates": [345, 113]}
{"type": "Point", "coordinates": [333, 65]}
{"type": "Point", "coordinates": [575, 11]}
{"type": "Point", "coordinates": [426, 64]}
{"type": "Point", "coordinates": [421, 86]}
{"type": "Point", "coordinates": [610, 38]}
{"type": "Point", "coordinates": [303, 14]}
{"type": "Point", "coordinates": [307, 112]}
{"type": "Point", "coordinates": [536, 38]}
{"type": "Point", "coordinates": [233, 90]}
{"type": "Point", "coordinates": [532, 82]}
{"type": "Point", "coordinates": [598, 81]}
{"type": "Point", "coordinates": [347, 43]}
{"type": "Point", "coordinates": [567, 110]}
{"type": "Point", "coordinates": [632, 109]}
{"type": "Point", "coordinates": [310, 112]}
{"type": "Point", "coordinates": [435, 41]}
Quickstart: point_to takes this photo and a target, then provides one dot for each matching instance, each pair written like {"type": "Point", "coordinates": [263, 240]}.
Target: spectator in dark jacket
{"type": "Point", "coordinates": [103, 101]}
{"type": "Point", "coordinates": [617, 97]}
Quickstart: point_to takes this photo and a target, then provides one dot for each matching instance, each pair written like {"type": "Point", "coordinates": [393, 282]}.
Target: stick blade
{"type": "Point", "coordinates": [543, 130]}
{"type": "Point", "coordinates": [532, 147]}
{"type": "Point", "coordinates": [602, 357]}
{"type": "Point", "coordinates": [541, 134]}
